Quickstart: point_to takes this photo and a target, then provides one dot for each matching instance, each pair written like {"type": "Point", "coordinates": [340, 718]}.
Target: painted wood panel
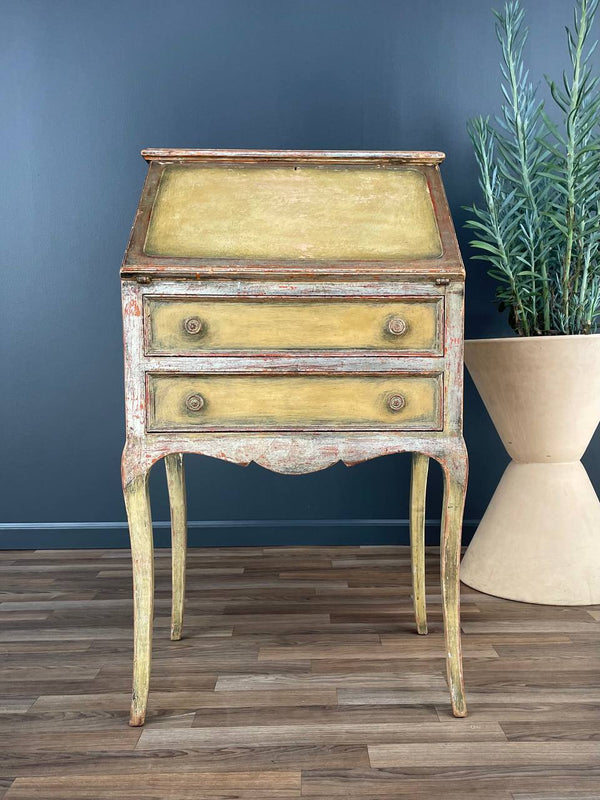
{"type": "Point", "coordinates": [295, 212]}
{"type": "Point", "coordinates": [185, 326]}
{"type": "Point", "coordinates": [264, 402]}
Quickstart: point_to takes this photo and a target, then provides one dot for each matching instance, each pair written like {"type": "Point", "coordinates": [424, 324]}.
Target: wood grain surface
{"type": "Point", "coordinates": [299, 674]}
{"type": "Point", "coordinates": [166, 154]}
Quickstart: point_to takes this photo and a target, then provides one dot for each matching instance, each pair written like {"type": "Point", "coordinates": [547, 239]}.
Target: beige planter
{"type": "Point", "coordinates": [539, 540]}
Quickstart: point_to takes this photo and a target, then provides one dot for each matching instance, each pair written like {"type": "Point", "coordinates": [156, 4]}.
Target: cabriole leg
{"type": "Point", "coordinates": [137, 502]}
{"type": "Point", "coordinates": [455, 483]}
{"type": "Point", "coordinates": [177, 501]}
{"type": "Point", "coordinates": [418, 489]}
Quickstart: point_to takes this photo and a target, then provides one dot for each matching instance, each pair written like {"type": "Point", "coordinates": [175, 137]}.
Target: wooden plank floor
{"type": "Point", "coordinates": [300, 675]}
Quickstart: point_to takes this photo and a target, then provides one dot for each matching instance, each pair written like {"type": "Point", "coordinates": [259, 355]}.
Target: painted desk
{"type": "Point", "coordinates": [295, 309]}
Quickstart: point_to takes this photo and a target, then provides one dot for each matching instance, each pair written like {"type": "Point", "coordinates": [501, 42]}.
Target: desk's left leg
{"type": "Point", "coordinates": [455, 469]}
{"type": "Point", "coordinates": [418, 489]}
{"type": "Point", "coordinates": [177, 502]}
{"type": "Point", "coordinates": [137, 502]}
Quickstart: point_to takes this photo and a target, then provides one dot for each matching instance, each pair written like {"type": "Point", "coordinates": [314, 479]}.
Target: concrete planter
{"type": "Point", "coordinates": [539, 540]}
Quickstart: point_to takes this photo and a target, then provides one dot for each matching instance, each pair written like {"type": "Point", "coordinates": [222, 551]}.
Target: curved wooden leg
{"type": "Point", "coordinates": [177, 501]}
{"type": "Point", "coordinates": [418, 489]}
{"type": "Point", "coordinates": [137, 502]}
{"type": "Point", "coordinates": [455, 484]}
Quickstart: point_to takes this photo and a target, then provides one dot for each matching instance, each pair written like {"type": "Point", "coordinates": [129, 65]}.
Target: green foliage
{"type": "Point", "coordinates": [539, 226]}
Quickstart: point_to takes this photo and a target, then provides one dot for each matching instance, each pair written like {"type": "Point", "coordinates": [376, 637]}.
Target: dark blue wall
{"type": "Point", "coordinates": [84, 86]}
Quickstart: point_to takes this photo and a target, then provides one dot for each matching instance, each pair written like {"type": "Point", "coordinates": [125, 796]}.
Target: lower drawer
{"type": "Point", "coordinates": [293, 402]}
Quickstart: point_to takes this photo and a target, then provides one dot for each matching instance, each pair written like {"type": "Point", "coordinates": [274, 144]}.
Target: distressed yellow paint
{"type": "Point", "coordinates": [418, 489]}
{"type": "Point", "coordinates": [137, 504]}
{"type": "Point", "coordinates": [292, 402]}
{"type": "Point", "coordinates": [288, 325]}
{"type": "Point", "coordinates": [293, 213]}
{"type": "Point", "coordinates": [455, 483]}
{"type": "Point", "coordinates": [178, 506]}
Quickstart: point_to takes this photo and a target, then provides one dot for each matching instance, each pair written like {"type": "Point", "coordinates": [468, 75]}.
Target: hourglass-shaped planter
{"type": "Point", "coordinates": [539, 540]}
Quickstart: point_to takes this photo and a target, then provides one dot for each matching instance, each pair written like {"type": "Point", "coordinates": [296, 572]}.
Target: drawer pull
{"type": "Point", "coordinates": [195, 402]}
{"type": "Point", "coordinates": [396, 326]}
{"type": "Point", "coordinates": [396, 402]}
{"type": "Point", "coordinates": [193, 326]}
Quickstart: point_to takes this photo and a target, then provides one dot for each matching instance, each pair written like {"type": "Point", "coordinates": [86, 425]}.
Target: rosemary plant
{"type": "Point", "coordinates": [539, 225]}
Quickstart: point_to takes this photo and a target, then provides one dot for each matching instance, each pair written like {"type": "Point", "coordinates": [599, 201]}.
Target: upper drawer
{"type": "Point", "coordinates": [187, 327]}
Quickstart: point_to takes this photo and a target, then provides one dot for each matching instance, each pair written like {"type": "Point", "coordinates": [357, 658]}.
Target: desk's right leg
{"type": "Point", "coordinates": [137, 502]}
{"type": "Point", "coordinates": [418, 489]}
{"type": "Point", "coordinates": [455, 468]}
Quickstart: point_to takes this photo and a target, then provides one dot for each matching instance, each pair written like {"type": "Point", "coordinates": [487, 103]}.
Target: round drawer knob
{"type": "Point", "coordinates": [193, 325]}
{"type": "Point", "coordinates": [396, 402]}
{"type": "Point", "coordinates": [396, 326]}
{"type": "Point", "coordinates": [195, 402]}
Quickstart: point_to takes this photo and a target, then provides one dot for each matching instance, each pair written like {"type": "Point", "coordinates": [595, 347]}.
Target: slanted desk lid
{"type": "Point", "coordinates": [307, 212]}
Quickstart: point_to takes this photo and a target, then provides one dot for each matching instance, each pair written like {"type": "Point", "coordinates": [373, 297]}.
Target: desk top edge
{"type": "Point", "coordinates": [320, 156]}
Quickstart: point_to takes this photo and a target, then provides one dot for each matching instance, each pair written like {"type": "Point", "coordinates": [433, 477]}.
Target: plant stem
{"type": "Point", "coordinates": [570, 218]}
{"type": "Point", "coordinates": [527, 183]}
{"type": "Point", "coordinates": [484, 149]}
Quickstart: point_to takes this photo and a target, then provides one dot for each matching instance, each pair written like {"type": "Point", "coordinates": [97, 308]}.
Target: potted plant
{"type": "Point", "coordinates": [539, 231]}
